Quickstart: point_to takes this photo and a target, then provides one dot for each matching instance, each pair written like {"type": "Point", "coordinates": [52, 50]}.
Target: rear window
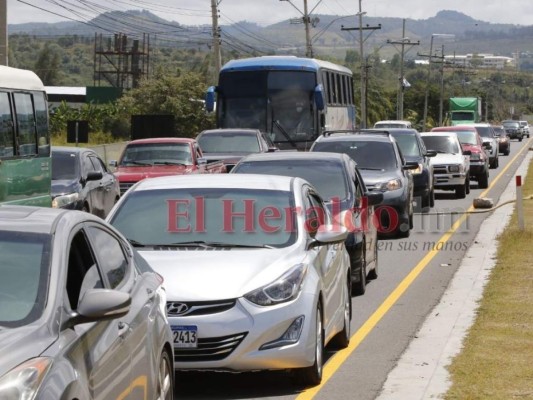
{"type": "Point", "coordinates": [65, 165]}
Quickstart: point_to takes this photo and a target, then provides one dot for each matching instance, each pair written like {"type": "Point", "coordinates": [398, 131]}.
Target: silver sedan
{"type": "Point", "coordinates": [256, 275]}
{"type": "Point", "coordinates": [81, 313]}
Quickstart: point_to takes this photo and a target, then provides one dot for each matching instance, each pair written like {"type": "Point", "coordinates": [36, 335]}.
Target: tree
{"type": "Point", "coordinates": [47, 65]}
{"type": "Point", "coordinates": [181, 96]}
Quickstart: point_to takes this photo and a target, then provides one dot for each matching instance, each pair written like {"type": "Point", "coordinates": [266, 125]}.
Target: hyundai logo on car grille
{"type": "Point", "coordinates": [177, 308]}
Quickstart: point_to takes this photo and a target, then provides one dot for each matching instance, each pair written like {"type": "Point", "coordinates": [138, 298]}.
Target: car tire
{"type": "Point", "coordinates": [508, 151]}
{"type": "Point", "coordinates": [312, 376]}
{"type": "Point", "coordinates": [86, 208]}
{"type": "Point", "coordinates": [359, 288]}
{"type": "Point", "coordinates": [460, 191]}
{"type": "Point", "coordinates": [426, 203]}
{"type": "Point", "coordinates": [373, 273]}
{"type": "Point", "coordinates": [342, 339]}
{"type": "Point", "coordinates": [483, 180]}
{"type": "Point", "coordinates": [165, 376]}
{"type": "Point", "coordinates": [520, 139]}
{"type": "Point", "coordinates": [467, 184]}
{"type": "Point", "coordinates": [432, 199]}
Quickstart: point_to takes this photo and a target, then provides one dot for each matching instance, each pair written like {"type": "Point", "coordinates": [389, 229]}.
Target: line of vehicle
{"type": "Point", "coordinates": [340, 357]}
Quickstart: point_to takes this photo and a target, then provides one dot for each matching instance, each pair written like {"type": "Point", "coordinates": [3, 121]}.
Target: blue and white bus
{"type": "Point", "coordinates": [293, 99]}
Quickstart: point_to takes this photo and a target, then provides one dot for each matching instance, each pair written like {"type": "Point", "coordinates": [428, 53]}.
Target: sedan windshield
{"type": "Point", "coordinates": [368, 154]}
{"type": "Point", "coordinates": [485, 131]}
{"type": "Point", "coordinates": [208, 217]}
{"type": "Point", "coordinates": [24, 268]}
{"type": "Point", "coordinates": [156, 154]}
{"type": "Point", "coordinates": [327, 177]}
{"type": "Point", "coordinates": [234, 142]}
{"type": "Point", "coordinates": [64, 165]}
{"type": "Point", "coordinates": [408, 144]}
{"type": "Point", "coordinates": [467, 137]}
{"type": "Point", "coordinates": [442, 144]}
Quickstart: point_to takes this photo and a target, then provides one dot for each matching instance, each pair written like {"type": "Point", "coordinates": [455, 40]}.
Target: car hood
{"type": "Point", "coordinates": [371, 177]}
{"type": "Point", "coordinates": [471, 147]}
{"type": "Point", "coordinates": [447, 158]}
{"type": "Point", "coordinates": [20, 344]}
{"type": "Point", "coordinates": [197, 274]}
{"type": "Point", "coordinates": [151, 171]}
{"type": "Point", "coordinates": [64, 186]}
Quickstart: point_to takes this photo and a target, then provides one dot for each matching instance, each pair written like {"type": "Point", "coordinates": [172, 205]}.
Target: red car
{"type": "Point", "coordinates": [479, 160]}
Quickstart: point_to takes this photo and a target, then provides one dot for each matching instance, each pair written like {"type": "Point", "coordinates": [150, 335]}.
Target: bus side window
{"type": "Point", "coordinates": [27, 141]}
{"type": "Point", "coordinates": [6, 127]}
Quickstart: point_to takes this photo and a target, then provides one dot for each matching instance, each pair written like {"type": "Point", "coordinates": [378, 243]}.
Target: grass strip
{"type": "Point", "coordinates": [496, 361]}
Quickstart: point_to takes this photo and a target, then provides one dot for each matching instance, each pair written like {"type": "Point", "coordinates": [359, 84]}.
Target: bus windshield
{"type": "Point", "coordinates": [280, 102]}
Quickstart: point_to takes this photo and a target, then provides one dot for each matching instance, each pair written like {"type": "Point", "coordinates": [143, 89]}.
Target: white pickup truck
{"type": "Point", "coordinates": [451, 165]}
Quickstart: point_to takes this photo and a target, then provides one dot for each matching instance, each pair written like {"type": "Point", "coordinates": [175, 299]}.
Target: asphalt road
{"type": "Point", "coordinates": [413, 275]}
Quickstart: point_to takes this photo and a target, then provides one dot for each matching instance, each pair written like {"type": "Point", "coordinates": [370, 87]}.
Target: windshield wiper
{"type": "Point", "coordinates": [370, 169]}
{"type": "Point", "coordinates": [169, 163]}
{"type": "Point", "coordinates": [201, 243]}
{"type": "Point", "coordinates": [135, 243]}
{"type": "Point", "coordinates": [135, 163]}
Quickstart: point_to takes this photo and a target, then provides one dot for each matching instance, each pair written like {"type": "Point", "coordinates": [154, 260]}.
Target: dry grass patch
{"type": "Point", "coordinates": [496, 361]}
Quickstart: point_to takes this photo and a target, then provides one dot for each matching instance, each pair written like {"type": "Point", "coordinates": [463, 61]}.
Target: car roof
{"type": "Point", "coordinates": [394, 121]}
{"type": "Point", "coordinates": [68, 149]}
{"type": "Point", "coordinates": [454, 128]}
{"type": "Point", "coordinates": [407, 131]}
{"type": "Point", "coordinates": [29, 218]}
{"type": "Point", "coordinates": [294, 155]}
{"type": "Point", "coordinates": [347, 136]}
{"type": "Point", "coordinates": [234, 181]}
{"type": "Point", "coordinates": [163, 140]}
{"type": "Point", "coordinates": [443, 133]}
{"type": "Point", "coordinates": [230, 130]}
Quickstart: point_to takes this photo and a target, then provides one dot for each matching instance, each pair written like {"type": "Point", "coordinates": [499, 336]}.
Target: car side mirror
{"type": "Point", "coordinates": [272, 149]}
{"type": "Point", "coordinates": [210, 99]}
{"type": "Point", "coordinates": [410, 165]}
{"type": "Point", "coordinates": [94, 176]}
{"type": "Point", "coordinates": [101, 305]}
{"type": "Point", "coordinates": [431, 153]}
{"type": "Point", "coordinates": [113, 163]}
{"type": "Point", "coordinates": [487, 146]}
{"type": "Point", "coordinates": [319, 97]}
{"type": "Point", "coordinates": [329, 234]}
{"type": "Point", "coordinates": [373, 198]}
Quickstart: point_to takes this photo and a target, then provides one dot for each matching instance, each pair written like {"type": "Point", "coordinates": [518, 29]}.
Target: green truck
{"type": "Point", "coordinates": [465, 110]}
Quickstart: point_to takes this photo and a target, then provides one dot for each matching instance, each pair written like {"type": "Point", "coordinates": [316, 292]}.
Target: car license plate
{"type": "Point", "coordinates": [185, 336]}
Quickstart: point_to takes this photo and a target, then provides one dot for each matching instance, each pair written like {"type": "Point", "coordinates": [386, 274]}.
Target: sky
{"type": "Point", "coordinates": [265, 12]}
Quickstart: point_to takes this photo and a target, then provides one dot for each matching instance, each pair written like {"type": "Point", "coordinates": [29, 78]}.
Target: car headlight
{"type": "Point", "coordinates": [418, 170]}
{"type": "Point", "coordinates": [455, 168]}
{"type": "Point", "coordinates": [393, 184]}
{"type": "Point", "coordinates": [64, 200]}
{"type": "Point", "coordinates": [285, 288]}
{"type": "Point", "coordinates": [475, 156]}
{"type": "Point", "coordinates": [23, 381]}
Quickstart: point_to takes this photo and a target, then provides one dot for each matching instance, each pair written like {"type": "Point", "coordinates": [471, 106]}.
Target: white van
{"type": "Point", "coordinates": [392, 124]}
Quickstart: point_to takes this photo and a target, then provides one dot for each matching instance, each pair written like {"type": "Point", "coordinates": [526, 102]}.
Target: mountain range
{"type": "Point", "coordinates": [330, 33]}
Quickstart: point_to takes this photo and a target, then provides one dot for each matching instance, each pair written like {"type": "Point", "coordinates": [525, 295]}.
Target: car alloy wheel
{"type": "Point", "coordinates": [342, 339]}
{"type": "Point", "coordinates": [312, 376]}
{"type": "Point", "coordinates": [164, 379]}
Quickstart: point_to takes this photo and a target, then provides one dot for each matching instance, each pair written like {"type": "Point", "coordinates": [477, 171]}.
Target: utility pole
{"type": "Point", "coordinates": [216, 38]}
{"type": "Point", "coordinates": [306, 20]}
{"type": "Point", "coordinates": [363, 63]}
{"type": "Point", "coordinates": [3, 32]}
{"type": "Point", "coordinates": [403, 42]}
{"type": "Point", "coordinates": [426, 97]}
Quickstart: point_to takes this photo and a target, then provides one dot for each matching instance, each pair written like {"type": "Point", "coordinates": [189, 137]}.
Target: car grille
{"type": "Point", "coordinates": [210, 349]}
{"type": "Point", "coordinates": [124, 186]}
{"type": "Point", "coordinates": [440, 169]}
{"type": "Point", "coordinates": [194, 308]}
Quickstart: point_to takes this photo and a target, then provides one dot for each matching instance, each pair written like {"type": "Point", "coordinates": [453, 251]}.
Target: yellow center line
{"type": "Point", "coordinates": [336, 361]}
